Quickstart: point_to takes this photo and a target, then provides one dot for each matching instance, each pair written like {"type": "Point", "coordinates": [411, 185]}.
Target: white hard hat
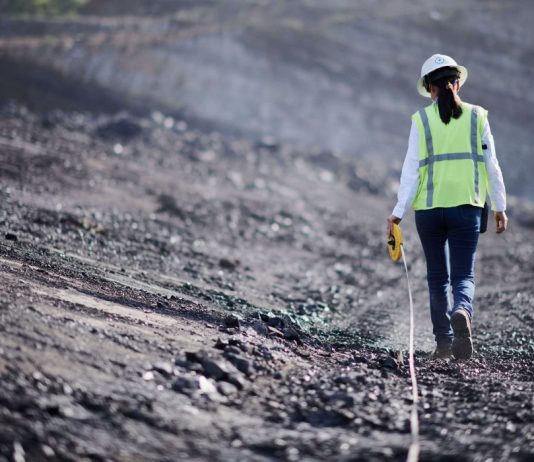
{"type": "Point", "coordinates": [436, 62]}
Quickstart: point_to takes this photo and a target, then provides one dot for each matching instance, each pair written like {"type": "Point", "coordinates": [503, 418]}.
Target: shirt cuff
{"type": "Point", "coordinates": [398, 211]}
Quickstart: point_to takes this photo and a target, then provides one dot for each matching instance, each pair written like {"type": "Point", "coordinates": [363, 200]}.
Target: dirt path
{"type": "Point", "coordinates": [176, 295]}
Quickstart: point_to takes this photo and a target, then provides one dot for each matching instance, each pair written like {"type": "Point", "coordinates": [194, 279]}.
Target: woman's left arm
{"type": "Point", "coordinates": [409, 180]}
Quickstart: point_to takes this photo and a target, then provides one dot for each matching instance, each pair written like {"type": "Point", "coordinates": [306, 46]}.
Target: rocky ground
{"type": "Point", "coordinates": [172, 294]}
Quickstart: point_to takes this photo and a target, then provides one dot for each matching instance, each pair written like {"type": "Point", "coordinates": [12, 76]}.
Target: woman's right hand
{"type": "Point", "coordinates": [501, 222]}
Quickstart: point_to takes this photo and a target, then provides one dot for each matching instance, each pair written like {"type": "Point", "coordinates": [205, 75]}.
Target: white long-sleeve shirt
{"type": "Point", "coordinates": [410, 173]}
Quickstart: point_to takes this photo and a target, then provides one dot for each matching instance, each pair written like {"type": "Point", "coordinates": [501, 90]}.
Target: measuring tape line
{"type": "Point", "coordinates": [396, 250]}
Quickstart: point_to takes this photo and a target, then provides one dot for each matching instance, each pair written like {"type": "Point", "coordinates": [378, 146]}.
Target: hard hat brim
{"type": "Point", "coordinates": [422, 90]}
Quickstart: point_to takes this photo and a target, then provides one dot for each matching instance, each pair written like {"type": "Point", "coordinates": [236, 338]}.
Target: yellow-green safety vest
{"type": "Point", "coordinates": [452, 171]}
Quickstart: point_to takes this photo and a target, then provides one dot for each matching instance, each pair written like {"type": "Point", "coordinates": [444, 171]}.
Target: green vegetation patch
{"type": "Point", "coordinates": [41, 7]}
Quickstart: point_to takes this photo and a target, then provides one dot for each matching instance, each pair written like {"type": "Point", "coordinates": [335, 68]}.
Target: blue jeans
{"type": "Point", "coordinates": [449, 237]}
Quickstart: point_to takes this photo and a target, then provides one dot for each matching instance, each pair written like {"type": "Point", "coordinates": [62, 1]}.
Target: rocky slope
{"type": "Point", "coordinates": [339, 75]}
{"type": "Point", "coordinates": [175, 294]}
{"type": "Point", "coordinates": [177, 285]}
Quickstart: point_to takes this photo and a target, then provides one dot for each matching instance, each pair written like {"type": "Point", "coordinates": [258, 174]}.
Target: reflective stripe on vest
{"type": "Point", "coordinates": [432, 158]}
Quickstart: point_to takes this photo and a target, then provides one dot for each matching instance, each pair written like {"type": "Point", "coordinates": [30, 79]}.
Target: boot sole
{"type": "Point", "coordinates": [462, 345]}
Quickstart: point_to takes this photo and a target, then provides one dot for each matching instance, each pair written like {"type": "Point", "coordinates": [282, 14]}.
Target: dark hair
{"type": "Point", "coordinates": [449, 103]}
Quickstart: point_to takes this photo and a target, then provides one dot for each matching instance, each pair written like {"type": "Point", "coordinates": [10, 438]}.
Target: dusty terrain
{"type": "Point", "coordinates": [172, 294]}
{"type": "Point", "coordinates": [336, 74]}
{"type": "Point", "coordinates": [179, 286]}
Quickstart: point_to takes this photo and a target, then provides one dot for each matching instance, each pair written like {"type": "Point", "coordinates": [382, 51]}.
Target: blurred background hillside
{"type": "Point", "coordinates": [338, 75]}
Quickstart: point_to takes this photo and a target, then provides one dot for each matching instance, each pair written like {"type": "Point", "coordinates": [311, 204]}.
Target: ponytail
{"type": "Point", "coordinates": [449, 103]}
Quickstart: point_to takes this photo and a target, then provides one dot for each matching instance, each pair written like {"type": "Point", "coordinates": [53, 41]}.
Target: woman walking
{"type": "Point", "coordinates": [449, 168]}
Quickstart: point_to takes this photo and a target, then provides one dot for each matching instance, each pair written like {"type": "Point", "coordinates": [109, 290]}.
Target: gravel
{"type": "Point", "coordinates": [126, 333]}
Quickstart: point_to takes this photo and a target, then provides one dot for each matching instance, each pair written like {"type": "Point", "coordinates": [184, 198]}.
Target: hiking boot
{"type": "Point", "coordinates": [442, 352]}
{"type": "Point", "coordinates": [462, 345]}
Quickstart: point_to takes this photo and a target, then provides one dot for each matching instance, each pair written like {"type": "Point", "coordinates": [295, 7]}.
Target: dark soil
{"type": "Point", "coordinates": [170, 294]}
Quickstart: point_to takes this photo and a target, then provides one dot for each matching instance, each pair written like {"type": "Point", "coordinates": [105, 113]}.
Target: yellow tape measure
{"type": "Point", "coordinates": [395, 242]}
